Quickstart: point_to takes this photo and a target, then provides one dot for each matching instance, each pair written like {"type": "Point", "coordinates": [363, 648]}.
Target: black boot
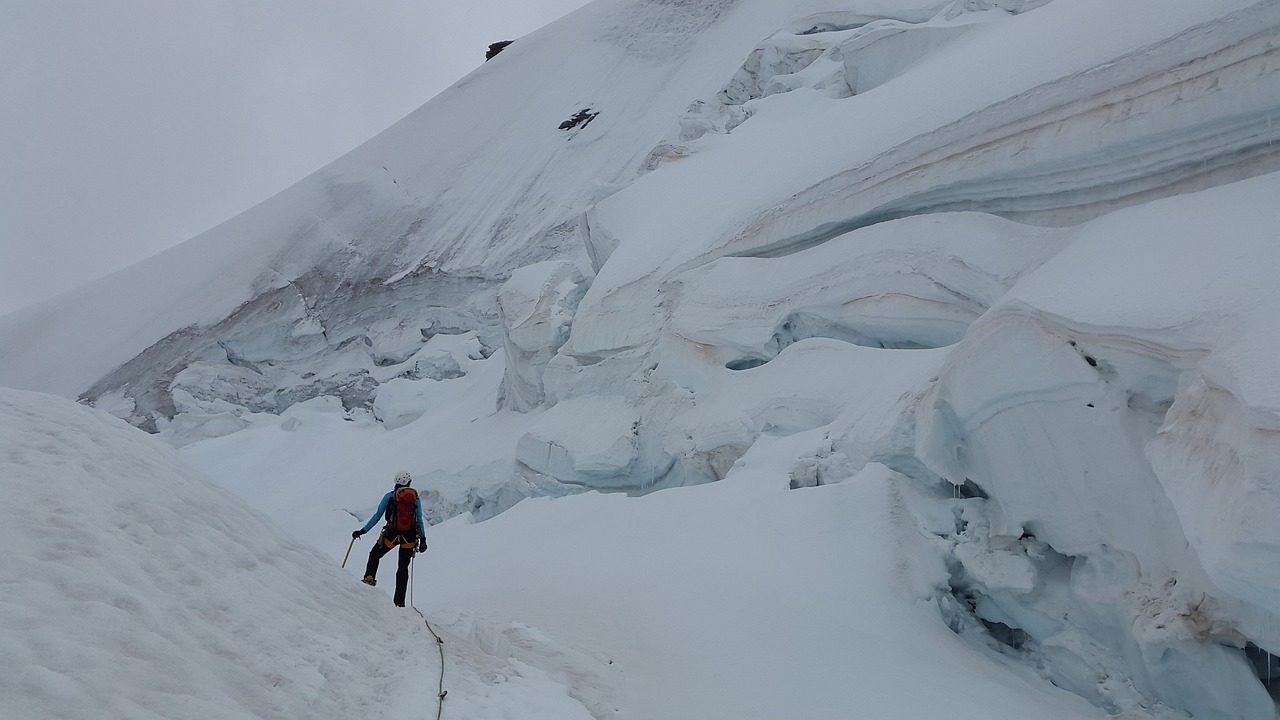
{"type": "Point", "coordinates": [375, 554]}
{"type": "Point", "coordinates": [402, 575]}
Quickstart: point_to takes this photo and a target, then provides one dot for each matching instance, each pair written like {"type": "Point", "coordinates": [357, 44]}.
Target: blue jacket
{"type": "Point", "coordinates": [382, 511]}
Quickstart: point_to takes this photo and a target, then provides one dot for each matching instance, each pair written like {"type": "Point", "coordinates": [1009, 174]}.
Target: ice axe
{"type": "Point", "coordinates": [349, 546]}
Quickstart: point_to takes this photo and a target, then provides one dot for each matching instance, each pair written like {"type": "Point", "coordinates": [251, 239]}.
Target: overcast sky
{"type": "Point", "coordinates": [127, 126]}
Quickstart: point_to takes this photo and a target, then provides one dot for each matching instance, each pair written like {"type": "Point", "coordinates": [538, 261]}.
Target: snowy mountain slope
{"type": "Point", "coordinates": [134, 587]}
{"type": "Point", "coordinates": [435, 227]}
{"type": "Point", "coordinates": [1108, 424]}
{"type": "Point", "coordinates": [1048, 141]}
{"type": "Point", "coordinates": [433, 212]}
{"type": "Point", "coordinates": [1014, 259]}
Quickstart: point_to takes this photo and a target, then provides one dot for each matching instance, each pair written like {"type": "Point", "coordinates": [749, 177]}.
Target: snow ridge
{"type": "Point", "coordinates": [138, 588]}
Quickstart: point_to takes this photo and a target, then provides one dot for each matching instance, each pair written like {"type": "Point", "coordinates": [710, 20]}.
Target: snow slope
{"type": "Point", "coordinates": [135, 587]}
{"type": "Point", "coordinates": [475, 184]}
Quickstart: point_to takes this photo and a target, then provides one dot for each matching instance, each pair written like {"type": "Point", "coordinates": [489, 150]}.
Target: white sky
{"type": "Point", "coordinates": [131, 125]}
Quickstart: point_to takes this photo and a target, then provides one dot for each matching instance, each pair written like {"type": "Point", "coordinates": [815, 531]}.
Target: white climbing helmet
{"type": "Point", "coordinates": [403, 478]}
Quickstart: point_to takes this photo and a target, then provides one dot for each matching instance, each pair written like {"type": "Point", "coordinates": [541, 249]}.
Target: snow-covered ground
{"type": "Point", "coordinates": [134, 587]}
{"type": "Point", "coordinates": [878, 357]}
{"type": "Point", "coordinates": [137, 588]}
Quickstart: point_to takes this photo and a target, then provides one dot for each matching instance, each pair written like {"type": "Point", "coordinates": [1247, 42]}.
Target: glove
{"type": "Point", "coordinates": [422, 546]}
{"type": "Point", "coordinates": [357, 534]}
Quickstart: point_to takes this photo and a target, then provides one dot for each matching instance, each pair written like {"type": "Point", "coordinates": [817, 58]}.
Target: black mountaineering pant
{"type": "Point", "coordinates": [382, 547]}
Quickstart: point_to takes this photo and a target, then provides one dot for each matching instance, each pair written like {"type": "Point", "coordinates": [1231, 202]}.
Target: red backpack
{"type": "Point", "coordinates": [402, 512]}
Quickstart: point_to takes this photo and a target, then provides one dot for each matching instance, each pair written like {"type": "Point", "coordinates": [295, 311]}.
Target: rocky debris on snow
{"type": "Point", "coordinates": [495, 48]}
{"type": "Point", "coordinates": [580, 119]}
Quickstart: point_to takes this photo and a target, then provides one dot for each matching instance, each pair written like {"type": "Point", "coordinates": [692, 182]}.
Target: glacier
{"type": "Point", "coordinates": [1008, 264]}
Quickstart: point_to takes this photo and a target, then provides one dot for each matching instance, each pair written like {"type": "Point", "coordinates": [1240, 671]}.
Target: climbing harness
{"type": "Point", "coordinates": [439, 646]}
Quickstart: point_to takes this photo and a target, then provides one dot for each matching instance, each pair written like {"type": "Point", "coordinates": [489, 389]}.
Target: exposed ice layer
{"type": "Point", "coordinates": [880, 51]}
{"type": "Point", "coordinates": [1172, 117]}
{"type": "Point", "coordinates": [687, 419]}
{"type": "Point", "coordinates": [809, 386]}
{"type": "Point", "coordinates": [767, 68]}
{"type": "Point", "coordinates": [837, 54]}
{"type": "Point", "coordinates": [913, 283]}
{"type": "Point", "coordinates": [701, 408]}
{"type": "Point", "coordinates": [1135, 429]}
{"type": "Point", "coordinates": [1102, 127]}
{"type": "Point", "coordinates": [319, 335]}
{"type": "Point", "coordinates": [480, 492]}
{"type": "Point", "coordinates": [1073, 618]}
{"type": "Point", "coordinates": [700, 393]}
{"type": "Point", "coordinates": [590, 441]}
{"type": "Point", "coordinates": [537, 306]}
{"type": "Point", "coordinates": [409, 390]}
{"type": "Point", "coordinates": [1091, 480]}
{"type": "Point", "coordinates": [211, 399]}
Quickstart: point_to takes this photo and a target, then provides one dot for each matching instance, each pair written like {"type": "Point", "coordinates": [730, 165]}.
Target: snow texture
{"type": "Point", "coordinates": [135, 587]}
{"type": "Point", "coordinates": [946, 329]}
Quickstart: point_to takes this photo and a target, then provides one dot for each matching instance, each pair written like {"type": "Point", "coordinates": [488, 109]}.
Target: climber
{"type": "Point", "coordinates": [403, 511]}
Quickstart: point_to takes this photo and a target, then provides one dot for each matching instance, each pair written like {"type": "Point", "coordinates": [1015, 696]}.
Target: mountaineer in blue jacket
{"type": "Point", "coordinates": [403, 511]}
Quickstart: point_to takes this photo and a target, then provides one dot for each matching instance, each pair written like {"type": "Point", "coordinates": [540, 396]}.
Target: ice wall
{"type": "Point", "coordinates": [1086, 398]}
{"type": "Point", "coordinates": [1112, 408]}
{"type": "Point", "coordinates": [1105, 415]}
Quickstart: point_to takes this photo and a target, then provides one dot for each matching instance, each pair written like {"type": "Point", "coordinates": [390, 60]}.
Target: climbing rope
{"type": "Point", "coordinates": [441, 692]}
